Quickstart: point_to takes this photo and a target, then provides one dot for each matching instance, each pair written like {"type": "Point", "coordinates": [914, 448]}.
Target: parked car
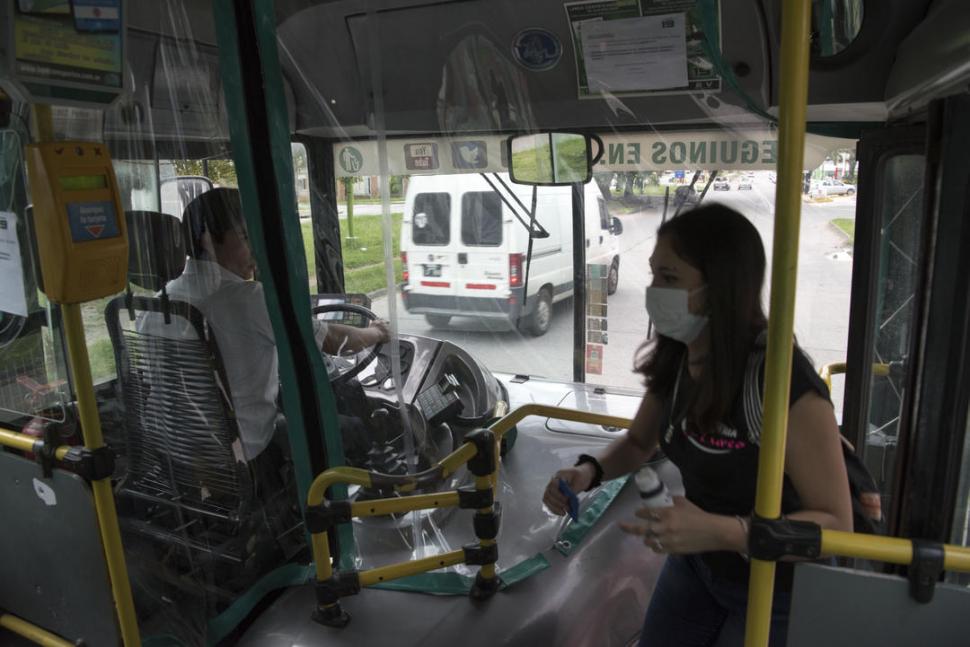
{"type": "Point", "coordinates": [721, 184]}
{"type": "Point", "coordinates": [685, 194]}
{"type": "Point", "coordinates": [744, 184]}
{"type": "Point", "coordinates": [463, 249]}
{"type": "Point", "coordinates": [833, 187]}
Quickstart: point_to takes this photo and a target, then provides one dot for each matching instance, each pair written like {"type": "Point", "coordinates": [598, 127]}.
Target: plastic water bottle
{"type": "Point", "coordinates": [653, 491]}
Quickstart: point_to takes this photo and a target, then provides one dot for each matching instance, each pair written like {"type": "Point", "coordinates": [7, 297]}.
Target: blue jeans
{"type": "Point", "coordinates": [692, 608]}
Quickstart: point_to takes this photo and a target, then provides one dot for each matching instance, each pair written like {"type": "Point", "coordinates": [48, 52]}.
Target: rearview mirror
{"type": "Point", "coordinates": [550, 159]}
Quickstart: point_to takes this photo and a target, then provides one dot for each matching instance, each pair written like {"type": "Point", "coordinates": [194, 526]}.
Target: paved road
{"type": "Point", "coordinates": [822, 309]}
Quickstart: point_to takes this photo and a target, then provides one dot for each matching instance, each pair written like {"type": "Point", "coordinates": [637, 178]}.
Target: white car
{"type": "Point", "coordinates": [834, 187]}
{"type": "Point", "coordinates": [721, 184]}
{"type": "Point", "coordinates": [464, 245]}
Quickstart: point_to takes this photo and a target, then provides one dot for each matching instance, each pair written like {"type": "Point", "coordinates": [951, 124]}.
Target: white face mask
{"type": "Point", "coordinates": [668, 311]}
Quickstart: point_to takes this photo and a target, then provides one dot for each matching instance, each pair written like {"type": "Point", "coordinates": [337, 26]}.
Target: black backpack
{"type": "Point", "coordinates": [867, 516]}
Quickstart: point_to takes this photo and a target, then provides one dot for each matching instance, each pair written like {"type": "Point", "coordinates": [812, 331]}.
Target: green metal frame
{"type": "Point", "coordinates": [288, 221]}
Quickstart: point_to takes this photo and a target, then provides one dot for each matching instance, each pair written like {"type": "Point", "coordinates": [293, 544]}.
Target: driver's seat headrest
{"type": "Point", "coordinates": [156, 248]}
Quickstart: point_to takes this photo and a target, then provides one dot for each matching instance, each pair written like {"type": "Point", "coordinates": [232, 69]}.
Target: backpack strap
{"type": "Point", "coordinates": [752, 392]}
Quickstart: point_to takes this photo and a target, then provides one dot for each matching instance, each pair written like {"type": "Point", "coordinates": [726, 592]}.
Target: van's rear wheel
{"type": "Point", "coordinates": [613, 279]}
{"type": "Point", "coordinates": [539, 321]}
{"type": "Point", "coordinates": [437, 321]}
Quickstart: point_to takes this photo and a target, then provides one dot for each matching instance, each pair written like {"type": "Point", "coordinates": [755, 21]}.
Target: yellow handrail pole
{"type": "Point", "coordinates": [796, 26]}
{"type": "Point", "coordinates": [887, 549]}
{"type": "Point", "coordinates": [25, 443]}
{"type": "Point", "coordinates": [104, 503]}
{"type": "Point", "coordinates": [32, 632]}
{"type": "Point", "coordinates": [356, 476]}
{"type": "Point", "coordinates": [404, 569]}
{"type": "Point", "coordinates": [838, 368]}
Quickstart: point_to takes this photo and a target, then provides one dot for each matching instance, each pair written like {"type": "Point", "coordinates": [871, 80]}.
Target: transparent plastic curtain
{"type": "Point", "coordinates": [32, 380]}
{"type": "Point", "coordinates": [413, 104]}
{"type": "Point", "coordinates": [184, 362]}
{"type": "Point", "coordinates": [398, 210]}
{"type": "Point", "coordinates": [402, 112]}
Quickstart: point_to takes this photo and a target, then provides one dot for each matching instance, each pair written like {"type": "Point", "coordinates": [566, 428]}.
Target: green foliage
{"type": "Point", "coordinates": [221, 172]}
{"type": "Point", "coordinates": [364, 260]}
{"type": "Point", "coordinates": [102, 359]}
{"type": "Point", "coordinates": [846, 226]}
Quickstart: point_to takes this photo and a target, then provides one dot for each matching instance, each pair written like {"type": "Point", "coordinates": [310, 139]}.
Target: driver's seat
{"type": "Point", "coordinates": [187, 481]}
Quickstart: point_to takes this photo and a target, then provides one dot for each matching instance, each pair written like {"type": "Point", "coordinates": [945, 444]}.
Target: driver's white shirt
{"type": "Point", "coordinates": [236, 311]}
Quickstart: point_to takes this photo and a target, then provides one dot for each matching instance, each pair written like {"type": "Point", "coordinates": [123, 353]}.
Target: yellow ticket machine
{"type": "Point", "coordinates": [80, 223]}
{"type": "Point", "coordinates": [83, 245]}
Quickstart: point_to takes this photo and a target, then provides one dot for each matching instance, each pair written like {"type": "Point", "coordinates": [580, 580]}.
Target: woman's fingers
{"type": "Point", "coordinates": [647, 513]}
{"type": "Point", "coordinates": [649, 532]}
{"type": "Point", "coordinates": [632, 528]}
{"type": "Point", "coordinates": [554, 499]}
{"type": "Point", "coordinates": [642, 529]}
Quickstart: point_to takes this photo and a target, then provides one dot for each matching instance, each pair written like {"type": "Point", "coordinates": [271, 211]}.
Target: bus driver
{"type": "Point", "coordinates": [218, 281]}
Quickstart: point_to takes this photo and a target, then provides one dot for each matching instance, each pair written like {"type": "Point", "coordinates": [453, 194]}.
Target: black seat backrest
{"type": "Point", "coordinates": [182, 440]}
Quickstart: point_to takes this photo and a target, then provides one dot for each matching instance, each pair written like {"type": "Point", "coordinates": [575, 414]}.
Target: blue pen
{"type": "Point", "coordinates": [571, 498]}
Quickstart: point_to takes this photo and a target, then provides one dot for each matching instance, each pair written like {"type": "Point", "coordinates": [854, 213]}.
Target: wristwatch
{"type": "Point", "coordinates": [597, 470]}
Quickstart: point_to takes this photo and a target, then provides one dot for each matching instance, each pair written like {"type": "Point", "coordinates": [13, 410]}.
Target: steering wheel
{"type": "Point", "coordinates": [344, 376]}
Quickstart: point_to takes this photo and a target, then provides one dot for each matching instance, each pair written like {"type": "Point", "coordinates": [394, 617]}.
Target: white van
{"type": "Point", "coordinates": [463, 249]}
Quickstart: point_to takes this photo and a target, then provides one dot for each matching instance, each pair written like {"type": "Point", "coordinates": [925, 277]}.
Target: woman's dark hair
{"type": "Point", "coordinates": [727, 249]}
{"type": "Point", "coordinates": [217, 212]}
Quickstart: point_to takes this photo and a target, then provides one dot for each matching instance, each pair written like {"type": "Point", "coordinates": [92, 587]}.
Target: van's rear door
{"type": "Point", "coordinates": [483, 263]}
{"type": "Point", "coordinates": [431, 260]}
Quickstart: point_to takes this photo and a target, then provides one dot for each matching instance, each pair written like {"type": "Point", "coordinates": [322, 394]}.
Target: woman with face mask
{"type": "Point", "coordinates": [704, 372]}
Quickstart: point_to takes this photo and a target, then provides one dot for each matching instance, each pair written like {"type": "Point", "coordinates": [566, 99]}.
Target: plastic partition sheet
{"type": "Point", "coordinates": [399, 113]}
{"type": "Point", "coordinates": [412, 125]}
{"type": "Point", "coordinates": [184, 361]}
{"type": "Point", "coordinates": [33, 383]}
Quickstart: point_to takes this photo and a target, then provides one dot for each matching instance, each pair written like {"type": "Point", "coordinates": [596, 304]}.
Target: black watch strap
{"type": "Point", "coordinates": [597, 469]}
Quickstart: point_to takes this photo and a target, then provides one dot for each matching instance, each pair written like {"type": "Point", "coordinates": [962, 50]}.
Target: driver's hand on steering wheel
{"type": "Point", "coordinates": [382, 330]}
{"type": "Point", "coordinates": [341, 338]}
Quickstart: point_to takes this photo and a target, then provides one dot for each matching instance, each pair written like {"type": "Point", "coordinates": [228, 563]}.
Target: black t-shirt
{"type": "Point", "coordinates": [720, 469]}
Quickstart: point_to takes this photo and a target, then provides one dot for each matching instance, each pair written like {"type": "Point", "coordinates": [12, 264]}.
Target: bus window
{"type": "Point", "coordinates": [138, 183]}
{"type": "Point", "coordinates": [836, 23]}
{"type": "Point", "coordinates": [899, 254]}
{"type": "Point", "coordinates": [431, 220]}
{"type": "Point", "coordinates": [481, 219]}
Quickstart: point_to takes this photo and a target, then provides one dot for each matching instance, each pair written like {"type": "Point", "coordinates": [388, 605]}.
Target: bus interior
{"type": "Point", "coordinates": [369, 146]}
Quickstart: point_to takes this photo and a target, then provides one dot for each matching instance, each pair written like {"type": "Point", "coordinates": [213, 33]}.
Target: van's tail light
{"type": "Point", "coordinates": [515, 270]}
{"type": "Point", "coordinates": [405, 275]}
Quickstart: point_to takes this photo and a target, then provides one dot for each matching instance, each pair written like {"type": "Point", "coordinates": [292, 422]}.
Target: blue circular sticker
{"type": "Point", "coordinates": [536, 49]}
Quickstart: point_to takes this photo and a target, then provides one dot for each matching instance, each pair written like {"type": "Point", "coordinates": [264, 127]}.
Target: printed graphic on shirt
{"type": "Point", "coordinates": [723, 441]}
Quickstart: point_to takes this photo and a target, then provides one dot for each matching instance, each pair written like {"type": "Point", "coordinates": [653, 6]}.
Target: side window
{"type": "Point", "coordinates": [138, 184]}
{"type": "Point", "coordinates": [431, 224]}
{"type": "Point", "coordinates": [604, 214]}
{"type": "Point", "coordinates": [901, 223]}
{"type": "Point", "coordinates": [481, 219]}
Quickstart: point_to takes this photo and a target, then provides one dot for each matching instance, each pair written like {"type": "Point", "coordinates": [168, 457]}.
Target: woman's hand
{"type": "Point", "coordinates": [577, 478]}
{"type": "Point", "coordinates": [680, 529]}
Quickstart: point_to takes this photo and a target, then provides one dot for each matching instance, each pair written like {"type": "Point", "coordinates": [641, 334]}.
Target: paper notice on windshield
{"type": "Point", "coordinates": [13, 299]}
{"type": "Point", "coordinates": [647, 53]}
{"type": "Point", "coordinates": [701, 33]}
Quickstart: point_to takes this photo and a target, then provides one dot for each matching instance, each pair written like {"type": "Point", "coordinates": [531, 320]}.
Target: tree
{"type": "Point", "coordinates": [221, 171]}
{"type": "Point", "coordinates": [604, 180]}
